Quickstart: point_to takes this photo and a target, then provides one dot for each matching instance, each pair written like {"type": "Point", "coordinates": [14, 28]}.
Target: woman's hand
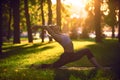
{"type": "Point", "coordinates": [43, 27]}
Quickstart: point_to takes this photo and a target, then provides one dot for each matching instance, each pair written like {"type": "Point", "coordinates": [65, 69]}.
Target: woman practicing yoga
{"type": "Point", "coordinates": [69, 55]}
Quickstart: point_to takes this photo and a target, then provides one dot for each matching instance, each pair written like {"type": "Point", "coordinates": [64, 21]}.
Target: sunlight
{"type": "Point", "coordinates": [105, 8]}
{"type": "Point", "coordinates": [53, 1]}
{"type": "Point", "coordinates": [77, 7]}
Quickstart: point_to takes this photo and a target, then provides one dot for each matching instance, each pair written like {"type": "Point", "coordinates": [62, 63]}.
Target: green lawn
{"type": "Point", "coordinates": [16, 59]}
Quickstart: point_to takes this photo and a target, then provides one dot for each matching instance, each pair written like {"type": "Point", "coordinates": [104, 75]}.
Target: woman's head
{"type": "Point", "coordinates": [55, 28]}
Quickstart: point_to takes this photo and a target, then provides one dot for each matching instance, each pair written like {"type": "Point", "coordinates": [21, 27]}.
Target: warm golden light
{"type": "Point", "coordinates": [77, 7]}
{"type": "Point", "coordinates": [105, 8]}
{"type": "Point", "coordinates": [53, 1]}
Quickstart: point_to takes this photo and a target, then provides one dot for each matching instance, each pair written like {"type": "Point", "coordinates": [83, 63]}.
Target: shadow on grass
{"type": "Point", "coordinates": [24, 49]}
{"type": "Point", "coordinates": [111, 51]}
{"type": "Point", "coordinates": [63, 74]}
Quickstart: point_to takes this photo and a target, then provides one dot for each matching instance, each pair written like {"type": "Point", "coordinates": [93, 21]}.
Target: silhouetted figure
{"type": "Point", "coordinates": [69, 55]}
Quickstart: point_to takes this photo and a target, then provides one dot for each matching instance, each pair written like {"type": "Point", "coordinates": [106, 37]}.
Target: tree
{"type": "Point", "coordinates": [118, 7]}
{"type": "Point", "coordinates": [97, 18]}
{"type": "Point", "coordinates": [49, 12]}
{"type": "Point", "coordinates": [6, 20]}
{"type": "Point", "coordinates": [30, 38]}
{"type": "Point", "coordinates": [16, 20]}
{"type": "Point", "coordinates": [1, 28]}
{"type": "Point", "coordinates": [43, 20]}
{"type": "Point", "coordinates": [119, 23]}
{"type": "Point", "coordinates": [58, 12]}
{"type": "Point", "coordinates": [89, 25]}
{"type": "Point", "coordinates": [9, 31]}
{"type": "Point", "coordinates": [110, 19]}
{"type": "Point", "coordinates": [49, 15]}
{"type": "Point", "coordinates": [116, 2]}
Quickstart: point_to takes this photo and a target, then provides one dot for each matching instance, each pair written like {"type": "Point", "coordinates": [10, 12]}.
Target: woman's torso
{"type": "Point", "coordinates": [65, 42]}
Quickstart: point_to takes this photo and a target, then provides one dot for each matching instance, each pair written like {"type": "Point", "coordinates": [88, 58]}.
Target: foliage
{"type": "Point", "coordinates": [36, 19]}
{"type": "Point", "coordinates": [28, 22]}
{"type": "Point", "coordinates": [110, 19]}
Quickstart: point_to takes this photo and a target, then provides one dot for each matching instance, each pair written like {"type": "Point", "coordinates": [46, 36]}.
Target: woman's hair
{"type": "Point", "coordinates": [55, 28]}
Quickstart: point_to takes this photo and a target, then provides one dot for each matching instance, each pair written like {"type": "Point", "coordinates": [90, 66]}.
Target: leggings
{"type": "Point", "coordinates": [66, 58]}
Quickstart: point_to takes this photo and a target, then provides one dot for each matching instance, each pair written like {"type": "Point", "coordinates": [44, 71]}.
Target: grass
{"type": "Point", "coordinates": [16, 59]}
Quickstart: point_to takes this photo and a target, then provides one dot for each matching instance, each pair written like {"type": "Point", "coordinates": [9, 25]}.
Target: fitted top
{"type": "Point", "coordinates": [62, 39]}
{"type": "Point", "coordinates": [66, 43]}
{"type": "Point", "coordinates": [65, 40]}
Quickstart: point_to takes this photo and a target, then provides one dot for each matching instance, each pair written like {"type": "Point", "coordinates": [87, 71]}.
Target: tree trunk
{"type": "Point", "coordinates": [58, 12]}
{"type": "Point", "coordinates": [16, 20]}
{"type": "Point", "coordinates": [85, 33]}
{"type": "Point", "coordinates": [43, 20]}
{"type": "Point", "coordinates": [98, 21]}
{"type": "Point", "coordinates": [112, 16]}
{"type": "Point", "coordinates": [1, 29]}
{"type": "Point", "coordinates": [49, 16]}
{"type": "Point", "coordinates": [9, 31]}
{"type": "Point", "coordinates": [119, 25]}
{"type": "Point", "coordinates": [49, 12]}
{"type": "Point", "coordinates": [113, 32]}
{"type": "Point", "coordinates": [30, 38]}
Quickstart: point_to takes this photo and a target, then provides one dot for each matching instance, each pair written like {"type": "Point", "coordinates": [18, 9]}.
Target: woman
{"type": "Point", "coordinates": [69, 55]}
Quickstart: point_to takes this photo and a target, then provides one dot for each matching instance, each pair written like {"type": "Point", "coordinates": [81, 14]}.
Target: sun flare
{"type": "Point", "coordinates": [77, 7]}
